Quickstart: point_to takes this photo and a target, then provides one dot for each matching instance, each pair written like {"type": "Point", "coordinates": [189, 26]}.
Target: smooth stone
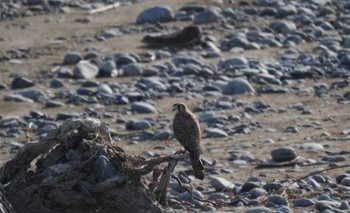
{"type": "Point", "coordinates": [313, 183]}
{"type": "Point", "coordinates": [138, 124]}
{"type": "Point", "coordinates": [257, 192]}
{"type": "Point", "coordinates": [52, 104]}
{"type": "Point", "coordinates": [272, 186]}
{"type": "Point", "coordinates": [64, 72]}
{"type": "Point", "coordinates": [312, 146]}
{"type": "Point", "coordinates": [142, 107]}
{"type": "Point", "coordinates": [153, 83]}
{"type": "Point", "coordinates": [207, 16]}
{"type": "Point", "coordinates": [303, 202]}
{"type": "Point", "coordinates": [155, 14]}
{"type": "Point", "coordinates": [339, 178]}
{"type": "Point", "coordinates": [66, 115]}
{"type": "Point", "coordinates": [233, 62]}
{"type": "Point", "coordinates": [283, 154]}
{"type": "Point", "coordinates": [334, 159]}
{"type": "Point", "coordinates": [132, 69]}
{"type": "Point", "coordinates": [108, 69]}
{"type": "Point", "coordinates": [17, 98]}
{"type": "Point", "coordinates": [323, 205]}
{"type": "Point", "coordinates": [344, 205]}
{"type": "Point", "coordinates": [292, 129]}
{"type": "Point", "coordinates": [215, 133]}
{"type": "Point", "coordinates": [285, 11]}
{"type": "Point", "coordinates": [283, 26]}
{"type": "Point", "coordinates": [345, 181]}
{"type": "Point", "coordinates": [72, 58]}
{"type": "Point", "coordinates": [237, 86]}
{"type": "Point", "coordinates": [258, 210]}
{"type": "Point", "coordinates": [276, 200]}
{"type": "Point", "coordinates": [34, 94]}
{"type": "Point", "coordinates": [273, 89]}
{"type": "Point", "coordinates": [122, 59]}
{"type": "Point", "coordinates": [86, 70]}
{"type": "Point", "coordinates": [104, 89]}
{"type": "Point", "coordinates": [220, 184]}
{"type": "Point", "coordinates": [21, 83]}
{"type": "Point", "coordinates": [55, 83]}
{"type": "Point", "coordinates": [164, 135]}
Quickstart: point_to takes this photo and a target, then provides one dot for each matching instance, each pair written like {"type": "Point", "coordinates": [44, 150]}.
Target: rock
{"type": "Point", "coordinates": [303, 202]}
{"type": "Point", "coordinates": [138, 125]}
{"type": "Point", "coordinates": [164, 135]}
{"type": "Point", "coordinates": [233, 62]}
{"type": "Point", "coordinates": [237, 86]}
{"type": "Point", "coordinates": [283, 26]}
{"type": "Point", "coordinates": [220, 184]}
{"type": "Point", "coordinates": [257, 192]}
{"type": "Point", "coordinates": [104, 89]}
{"type": "Point", "coordinates": [64, 72]}
{"type": "Point", "coordinates": [17, 98]}
{"type": "Point", "coordinates": [312, 146]}
{"type": "Point", "coordinates": [258, 210]}
{"type": "Point", "coordinates": [21, 83]}
{"type": "Point", "coordinates": [132, 69]}
{"type": "Point", "coordinates": [215, 133]}
{"type": "Point", "coordinates": [55, 83]}
{"type": "Point", "coordinates": [207, 16]}
{"type": "Point", "coordinates": [142, 107]}
{"type": "Point", "coordinates": [51, 104]}
{"type": "Point", "coordinates": [155, 14]}
{"type": "Point", "coordinates": [345, 181]}
{"type": "Point", "coordinates": [283, 154]}
{"type": "Point", "coordinates": [34, 94]}
{"type": "Point", "coordinates": [285, 11]}
{"type": "Point", "coordinates": [272, 186]}
{"type": "Point", "coordinates": [276, 200]}
{"type": "Point", "coordinates": [108, 69]}
{"type": "Point", "coordinates": [72, 58]}
{"type": "Point", "coordinates": [85, 70]}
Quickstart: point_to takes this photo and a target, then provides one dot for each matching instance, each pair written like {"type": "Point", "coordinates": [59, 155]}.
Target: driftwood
{"type": "Point", "coordinates": [78, 168]}
{"type": "Point", "coordinates": [105, 8]}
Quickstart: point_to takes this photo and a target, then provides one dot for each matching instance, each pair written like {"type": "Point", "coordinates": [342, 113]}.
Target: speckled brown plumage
{"type": "Point", "coordinates": [187, 132]}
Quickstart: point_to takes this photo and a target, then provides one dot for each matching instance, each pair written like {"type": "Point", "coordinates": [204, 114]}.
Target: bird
{"type": "Point", "coordinates": [188, 132]}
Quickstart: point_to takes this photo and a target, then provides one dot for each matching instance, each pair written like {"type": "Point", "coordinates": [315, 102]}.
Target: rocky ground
{"type": "Point", "coordinates": [268, 80]}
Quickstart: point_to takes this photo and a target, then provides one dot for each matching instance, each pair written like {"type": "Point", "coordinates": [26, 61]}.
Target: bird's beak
{"type": "Point", "coordinates": [174, 108]}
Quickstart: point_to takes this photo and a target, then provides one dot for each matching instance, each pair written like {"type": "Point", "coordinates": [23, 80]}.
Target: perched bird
{"type": "Point", "coordinates": [187, 131]}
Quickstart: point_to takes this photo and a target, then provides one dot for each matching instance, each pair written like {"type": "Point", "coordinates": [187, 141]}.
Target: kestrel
{"type": "Point", "coordinates": [187, 131]}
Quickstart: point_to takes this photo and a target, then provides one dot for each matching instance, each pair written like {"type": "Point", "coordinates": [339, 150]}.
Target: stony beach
{"type": "Point", "coordinates": [269, 81]}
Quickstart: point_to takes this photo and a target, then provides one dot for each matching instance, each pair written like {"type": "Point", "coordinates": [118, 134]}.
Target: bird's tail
{"type": "Point", "coordinates": [198, 168]}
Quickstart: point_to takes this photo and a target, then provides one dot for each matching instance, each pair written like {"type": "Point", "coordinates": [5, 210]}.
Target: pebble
{"type": "Point", "coordinates": [312, 147]}
{"type": "Point", "coordinates": [276, 200]}
{"type": "Point", "coordinates": [132, 69]}
{"type": "Point", "coordinates": [108, 69]}
{"type": "Point", "coordinates": [237, 86]}
{"type": "Point", "coordinates": [142, 107]}
{"type": "Point", "coordinates": [220, 184]}
{"type": "Point", "coordinates": [85, 70]}
{"type": "Point", "coordinates": [163, 135]}
{"type": "Point", "coordinates": [258, 210]}
{"type": "Point", "coordinates": [72, 58]}
{"type": "Point", "coordinates": [21, 83]}
{"type": "Point", "coordinates": [155, 14]}
{"type": "Point", "coordinates": [215, 133]}
{"type": "Point", "coordinates": [303, 202]}
{"type": "Point", "coordinates": [283, 154]}
{"type": "Point", "coordinates": [207, 16]}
